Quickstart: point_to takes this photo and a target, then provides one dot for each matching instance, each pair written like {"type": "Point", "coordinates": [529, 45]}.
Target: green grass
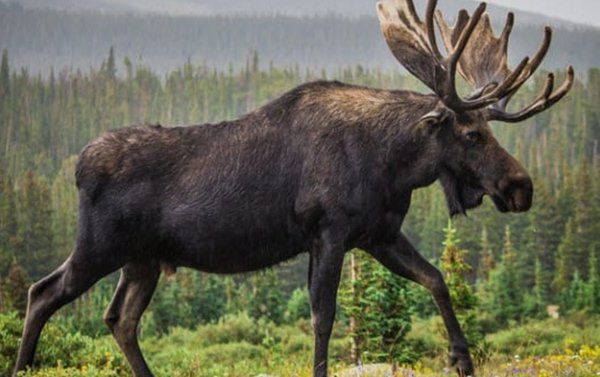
{"type": "Point", "coordinates": [239, 346]}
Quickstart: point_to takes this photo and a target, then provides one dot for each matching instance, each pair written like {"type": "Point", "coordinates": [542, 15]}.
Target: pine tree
{"type": "Point", "coordinates": [35, 226]}
{"type": "Point", "coordinates": [380, 304]}
{"type": "Point", "coordinates": [505, 298]}
{"type": "Point", "coordinates": [266, 299]}
{"type": "Point", "coordinates": [593, 285]}
{"type": "Point", "coordinates": [486, 258]}
{"type": "Point", "coordinates": [14, 289]}
{"type": "Point", "coordinates": [543, 235]}
{"type": "Point", "coordinates": [4, 76]}
{"type": "Point", "coordinates": [535, 302]}
{"type": "Point", "coordinates": [586, 220]}
{"type": "Point", "coordinates": [464, 300]}
{"type": "Point", "coordinates": [8, 223]}
{"type": "Point", "coordinates": [565, 264]}
{"type": "Point", "coordinates": [298, 306]}
{"type": "Point", "coordinates": [211, 301]}
{"type": "Point", "coordinates": [574, 297]}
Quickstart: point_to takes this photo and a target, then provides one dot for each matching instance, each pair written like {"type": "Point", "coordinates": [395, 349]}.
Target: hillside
{"type": "Point", "coordinates": [260, 7]}
{"type": "Point", "coordinates": [40, 39]}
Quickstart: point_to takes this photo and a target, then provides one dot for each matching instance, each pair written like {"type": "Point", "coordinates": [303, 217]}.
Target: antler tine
{"type": "Point", "coordinates": [429, 24]}
{"type": "Point", "coordinates": [451, 97]}
{"type": "Point", "coordinates": [413, 11]}
{"type": "Point", "coordinates": [514, 80]}
{"type": "Point", "coordinates": [533, 64]}
{"type": "Point", "coordinates": [505, 36]}
{"type": "Point", "coordinates": [544, 101]}
{"type": "Point", "coordinates": [465, 35]}
{"type": "Point", "coordinates": [501, 89]}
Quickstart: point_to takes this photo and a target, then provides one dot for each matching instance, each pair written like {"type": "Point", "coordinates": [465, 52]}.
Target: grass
{"type": "Point", "coordinates": [240, 347]}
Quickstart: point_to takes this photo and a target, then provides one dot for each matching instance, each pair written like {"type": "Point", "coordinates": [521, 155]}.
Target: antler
{"type": "Point", "coordinates": [492, 70]}
{"type": "Point", "coordinates": [480, 57]}
{"type": "Point", "coordinates": [413, 43]}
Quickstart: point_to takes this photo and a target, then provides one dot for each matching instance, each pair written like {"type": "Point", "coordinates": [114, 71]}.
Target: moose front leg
{"type": "Point", "coordinates": [326, 260]}
{"type": "Point", "coordinates": [402, 259]}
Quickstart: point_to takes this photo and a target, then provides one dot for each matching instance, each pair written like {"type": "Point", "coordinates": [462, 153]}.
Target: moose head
{"type": "Point", "coordinates": [472, 163]}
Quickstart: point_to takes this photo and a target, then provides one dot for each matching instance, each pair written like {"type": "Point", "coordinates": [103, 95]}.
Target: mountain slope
{"type": "Point", "coordinates": [40, 39]}
{"type": "Point", "coordinates": [261, 7]}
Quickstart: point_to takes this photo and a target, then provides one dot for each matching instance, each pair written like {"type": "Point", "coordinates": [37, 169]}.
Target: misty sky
{"type": "Point", "coordinates": [583, 11]}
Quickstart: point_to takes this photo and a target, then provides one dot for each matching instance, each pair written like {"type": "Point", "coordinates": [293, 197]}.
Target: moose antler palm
{"type": "Point", "coordinates": [480, 57]}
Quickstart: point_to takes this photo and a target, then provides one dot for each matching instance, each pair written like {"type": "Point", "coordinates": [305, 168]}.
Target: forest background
{"type": "Point", "coordinates": [68, 76]}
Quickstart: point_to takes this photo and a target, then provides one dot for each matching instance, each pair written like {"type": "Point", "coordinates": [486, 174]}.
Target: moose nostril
{"type": "Point", "coordinates": [519, 193]}
{"type": "Point", "coordinates": [520, 181]}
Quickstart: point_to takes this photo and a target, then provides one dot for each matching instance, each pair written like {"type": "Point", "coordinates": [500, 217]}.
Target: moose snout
{"type": "Point", "coordinates": [517, 192]}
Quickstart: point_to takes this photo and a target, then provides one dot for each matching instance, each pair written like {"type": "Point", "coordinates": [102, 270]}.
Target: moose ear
{"type": "Point", "coordinates": [432, 121]}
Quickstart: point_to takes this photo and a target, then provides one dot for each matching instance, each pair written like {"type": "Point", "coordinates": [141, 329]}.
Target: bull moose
{"type": "Point", "coordinates": [325, 168]}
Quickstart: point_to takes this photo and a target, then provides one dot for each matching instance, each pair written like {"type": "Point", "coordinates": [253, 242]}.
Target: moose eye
{"type": "Point", "coordinates": [472, 136]}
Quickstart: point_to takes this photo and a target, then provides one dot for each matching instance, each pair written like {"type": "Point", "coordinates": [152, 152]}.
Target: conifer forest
{"type": "Point", "coordinates": [526, 287]}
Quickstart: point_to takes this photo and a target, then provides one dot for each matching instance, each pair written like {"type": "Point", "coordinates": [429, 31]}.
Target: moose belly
{"type": "Point", "coordinates": [235, 242]}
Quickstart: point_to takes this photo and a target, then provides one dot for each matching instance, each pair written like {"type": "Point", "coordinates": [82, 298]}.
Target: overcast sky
{"type": "Point", "coordinates": [583, 11]}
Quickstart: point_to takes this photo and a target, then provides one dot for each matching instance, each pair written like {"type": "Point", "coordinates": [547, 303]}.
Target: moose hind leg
{"type": "Point", "coordinates": [75, 276]}
{"type": "Point", "coordinates": [134, 292]}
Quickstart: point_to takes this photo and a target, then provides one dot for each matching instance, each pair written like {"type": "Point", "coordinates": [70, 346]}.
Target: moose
{"type": "Point", "coordinates": [323, 169]}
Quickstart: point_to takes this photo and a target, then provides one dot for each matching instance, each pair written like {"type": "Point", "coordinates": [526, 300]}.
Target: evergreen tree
{"type": "Point", "coordinates": [574, 296]}
{"type": "Point", "coordinates": [586, 220]}
{"type": "Point", "coordinates": [14, 289]}
{"type": "Point", "coordinates": [211, 302]}
{"type": "Point", "coordinates": [505, 291]}
{"type": "Point", "coordinates": [8, 223]}
{"type": "Point", "coordinates": [4, 78]}
{"type": "Point", "coordinates": [266, 298]}
{"type": "Point", "coordinates": [543, 235]}
{"type": "Point", "coordinates": [593, 285]}
{"type": "Point", "coordinates": [298, 306]}
{"type": "Point", "coordinates": [35, 226]}
{"type": "Point", "coordinates": [464, 300]}
{"type": "Point", "coordinates": [486, 258]}
{"type": "Point", "coordinates": [565, 263]}
{"type": "Point", "coordinates": [535, 302]}
{"type": "Point", "coordinates": [380, 304]}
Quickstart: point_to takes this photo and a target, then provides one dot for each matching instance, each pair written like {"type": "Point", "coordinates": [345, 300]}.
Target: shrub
{"type": "Point", "coordinates": [58, 347]}
{"type": "Point", "coordinates": [298, 306]}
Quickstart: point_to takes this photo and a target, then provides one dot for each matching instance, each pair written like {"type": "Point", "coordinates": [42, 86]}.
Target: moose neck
{"type": "Point", "coordinates": [387, 118]}
{"type": "Point", "coordinates": [377, 117]}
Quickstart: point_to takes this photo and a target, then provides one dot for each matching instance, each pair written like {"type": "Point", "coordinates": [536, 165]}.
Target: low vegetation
{"type": "Point", "coordinates": [238, 346]}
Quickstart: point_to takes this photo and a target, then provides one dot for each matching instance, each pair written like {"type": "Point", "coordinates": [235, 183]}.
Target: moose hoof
{"type": "Point", "coordinates": [463, 364]}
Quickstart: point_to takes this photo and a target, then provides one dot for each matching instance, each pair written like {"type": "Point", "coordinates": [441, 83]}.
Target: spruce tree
{"type": "Point", "coordinates": [8, 223]}
{"type": "Point", "coordinates": [35, 226]}
{"type": "Point", "coordinates": [4, 77]}
{"type": "Point", "coordinates": [486, 258]}
{"type": "Point", "coordinates": [593, 284]}
{"type": "Point", "coordinates": [266, 299]}
{"type": "Point", "coordinates": [14, 289]}
{"type": "Point", "coordinates": [565, 258]}
{"type": "Point", "coordinates": [456, 271]}
{"type": "Point", "coordinates": [380, 305]}
{"type": "Point", "coordinates": [505, 291]}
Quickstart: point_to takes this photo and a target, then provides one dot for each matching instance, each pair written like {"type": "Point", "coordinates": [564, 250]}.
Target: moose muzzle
{"type": "Point", "coordinates": [513, 193]}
